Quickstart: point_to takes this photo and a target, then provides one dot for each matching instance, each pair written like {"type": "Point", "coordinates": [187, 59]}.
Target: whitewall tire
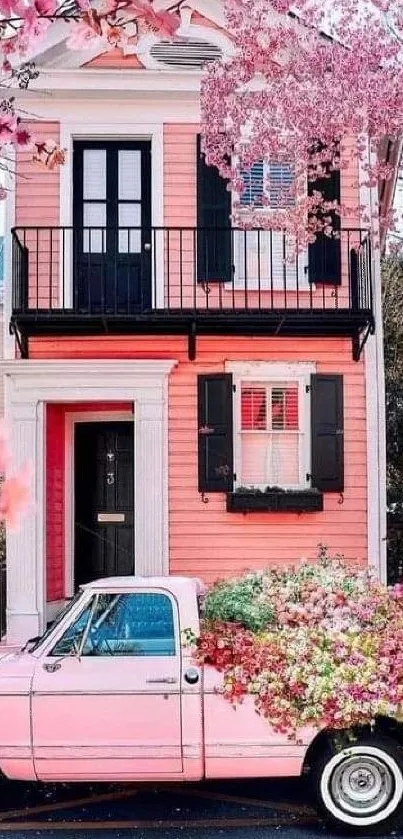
{"type": "Point", "coordinates": [359, 788]}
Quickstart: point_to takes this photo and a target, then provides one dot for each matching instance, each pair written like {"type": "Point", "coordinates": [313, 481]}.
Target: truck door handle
{"type": "Point", "coordinates": [166, 680]}
{"type": "Point", "coordinates": [191, 676]}
{"type": "Point", "coordinates": [51, 667]}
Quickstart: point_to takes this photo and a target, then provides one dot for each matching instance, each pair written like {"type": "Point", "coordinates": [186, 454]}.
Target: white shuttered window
{"type": "Point", "coordinates": [266, 259]}
{"type": "Point", "coordinates": [273, 434]}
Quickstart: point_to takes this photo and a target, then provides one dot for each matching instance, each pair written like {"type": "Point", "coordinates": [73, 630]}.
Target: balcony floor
{"type": "Point", "coordinates": [290, 322]}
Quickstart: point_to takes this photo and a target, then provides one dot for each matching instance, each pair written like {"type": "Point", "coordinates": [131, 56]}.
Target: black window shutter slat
{"type": "Point", "coordinates": [325, 252]}
{"type": "Point", "coordinates": [327, 428]}
{"type": "Point", "coordinates": [215, 433]}
{"type": "Point", "coordinates": [214, 250]}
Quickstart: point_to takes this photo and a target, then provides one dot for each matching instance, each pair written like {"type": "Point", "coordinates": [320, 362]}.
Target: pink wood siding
{"type": "Point", "coordinates": [180, 207]}
{"type": "Point", "coordinates": [38, 205]}
{"type": "Point", "coordinates": [114, 59]}
{"type": "Point", "coordinates": [37, 188]}
{"type": "Point", "coordinates": [55, 489]}
{"type": "Point", "coordinates": [205, 539]}
{"type": "Point", "coordinates": [55, 507]}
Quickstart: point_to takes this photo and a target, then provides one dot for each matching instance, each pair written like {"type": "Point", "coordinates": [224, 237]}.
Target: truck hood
{"type": "Point", "coordinates": [8, 649]}
{"type": "Point", "coordinates": [16, 665]}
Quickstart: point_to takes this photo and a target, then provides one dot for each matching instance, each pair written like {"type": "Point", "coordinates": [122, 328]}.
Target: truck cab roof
{"type": "Point", "coordinates": [176, 585]}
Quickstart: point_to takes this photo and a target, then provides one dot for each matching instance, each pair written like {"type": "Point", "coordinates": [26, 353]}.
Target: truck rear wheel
{"type": "Point", "coordinates": [359, 788]}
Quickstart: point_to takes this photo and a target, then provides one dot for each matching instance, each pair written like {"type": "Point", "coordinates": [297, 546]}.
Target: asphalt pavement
{"type": "Point", "coordinates": [237, 810]}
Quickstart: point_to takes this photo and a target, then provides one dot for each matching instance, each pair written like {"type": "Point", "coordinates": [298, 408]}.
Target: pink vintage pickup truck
{"type": "Point", "coordinates": [110, 692]}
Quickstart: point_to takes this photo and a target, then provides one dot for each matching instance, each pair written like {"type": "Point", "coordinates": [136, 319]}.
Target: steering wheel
{"type": "Point", "coordinates": [96, 645]}
{"type": "Point", "coordinates": [76, 647]}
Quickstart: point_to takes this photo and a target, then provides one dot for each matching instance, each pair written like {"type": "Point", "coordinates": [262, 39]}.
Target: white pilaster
{"type": "Point", "coordinates": [25, 564]}
{"type": "Point", "coordinates": [375, 396]}
{"type": "Point", "coordinates": [150, 490]}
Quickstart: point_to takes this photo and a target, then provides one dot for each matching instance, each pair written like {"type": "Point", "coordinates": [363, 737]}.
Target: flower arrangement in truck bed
{"type": "Point", "coordinates": [318, 644]}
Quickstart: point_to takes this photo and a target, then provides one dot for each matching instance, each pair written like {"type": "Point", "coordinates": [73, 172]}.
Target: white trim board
{"type": "Point", "coordinates": [29, 386]}
{"type": "Point", "coordinates": [375, 399]}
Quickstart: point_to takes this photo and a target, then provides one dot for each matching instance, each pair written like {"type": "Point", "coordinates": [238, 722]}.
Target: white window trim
{"type": "Point", "coordinates": [266, 371]}
{"type": "Point", "coordinates": [113, 131]}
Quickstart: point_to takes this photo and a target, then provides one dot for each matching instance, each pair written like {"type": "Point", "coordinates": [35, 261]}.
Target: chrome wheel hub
{"type": "Point", "coordinates": [362, 784]}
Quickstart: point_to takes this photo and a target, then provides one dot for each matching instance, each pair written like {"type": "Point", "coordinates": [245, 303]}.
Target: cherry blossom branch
{"type": "Point", "coordinates": [300, 84]}
{"type": "Point", "coordinates": [15, 494]}
{"type": "Point", "coordinates": [300, 76]}
{"type": "Point", "coordinates": [23, 25]}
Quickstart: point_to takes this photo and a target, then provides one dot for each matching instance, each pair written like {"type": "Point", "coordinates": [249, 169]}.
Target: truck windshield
{"type": "Point", "coordinates": [38, 641]}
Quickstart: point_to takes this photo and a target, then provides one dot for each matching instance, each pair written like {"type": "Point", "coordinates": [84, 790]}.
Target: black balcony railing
{"type": "Point", "coordinates": [179, 279]}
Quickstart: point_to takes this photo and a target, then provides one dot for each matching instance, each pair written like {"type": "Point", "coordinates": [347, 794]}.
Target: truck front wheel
{"type": "Point", "coordinates": [359, 788]}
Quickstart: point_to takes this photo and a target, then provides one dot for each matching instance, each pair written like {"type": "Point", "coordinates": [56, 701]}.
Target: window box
{"type": "Point", "coordinates": [278, 500]}
{"type": "Point", "coordinates": [305, 501]}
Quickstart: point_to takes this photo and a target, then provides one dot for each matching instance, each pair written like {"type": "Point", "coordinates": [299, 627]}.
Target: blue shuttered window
{"type": "Point", "coordinates": [254, 185]}
{"type": "Point", "coordinates": [274, 180]}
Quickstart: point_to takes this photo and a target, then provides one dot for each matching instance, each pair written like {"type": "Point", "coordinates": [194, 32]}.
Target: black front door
{"type": "Point", "coordinates": [111, 227]}
{"type": "Point", "coordinates": [104, 500]}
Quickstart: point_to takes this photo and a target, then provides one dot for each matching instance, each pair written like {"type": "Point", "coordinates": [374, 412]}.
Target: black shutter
{"type": "Point", "coordinates": [215, 433]}
{"type": "Point", "coordinates": [327, 425]}
{"type": "Point", "coordinates": [214, 251]}
{"type": "Point", "coordinates": [325, 252]}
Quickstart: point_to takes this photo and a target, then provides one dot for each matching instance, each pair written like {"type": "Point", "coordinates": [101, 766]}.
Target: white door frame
{"type": "Point", "coordinates": [100, 131]}
{"type": "Point", "coordinates": [30, 385]}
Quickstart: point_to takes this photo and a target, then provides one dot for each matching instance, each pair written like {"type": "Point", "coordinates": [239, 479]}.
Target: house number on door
{"type": "Point", "coordinates": [110, 476]}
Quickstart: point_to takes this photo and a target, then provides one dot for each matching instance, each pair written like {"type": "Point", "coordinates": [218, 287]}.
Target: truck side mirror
{"type": "Point", "coordinates": [75, 651]}
{"type": "Point", "coordinates": [30, 643]}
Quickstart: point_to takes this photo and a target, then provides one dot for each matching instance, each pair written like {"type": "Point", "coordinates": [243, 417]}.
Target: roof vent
{"type": "Point", "coordinates": [189, 54]}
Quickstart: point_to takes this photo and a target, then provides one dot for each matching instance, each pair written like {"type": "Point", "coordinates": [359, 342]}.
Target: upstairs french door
{"type": "Point", "coordinates": [111, 227]}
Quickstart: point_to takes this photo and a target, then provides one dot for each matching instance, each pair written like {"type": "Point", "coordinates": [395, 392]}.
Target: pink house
{"type": "Point", "coordinates": [159, 360]}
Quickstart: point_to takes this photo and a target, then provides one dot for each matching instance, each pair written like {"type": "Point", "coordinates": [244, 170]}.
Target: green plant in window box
{"type": "Point", "coordinates": [252, 490]}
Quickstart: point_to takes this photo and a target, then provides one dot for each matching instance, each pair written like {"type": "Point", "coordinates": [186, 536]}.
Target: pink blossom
{"type": "Point", "coordinates": [81, 35]}
{"type": "Point", "coordinates": [45, 7]}
{"type": "Point", "coordinates": [10, 8]}
{"type": "Point", "coordinates": [15, 495]}
{"type": "Point", "coordinates": [8, 126]}
{"type": "Point", "coordinates": [23, 137]}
